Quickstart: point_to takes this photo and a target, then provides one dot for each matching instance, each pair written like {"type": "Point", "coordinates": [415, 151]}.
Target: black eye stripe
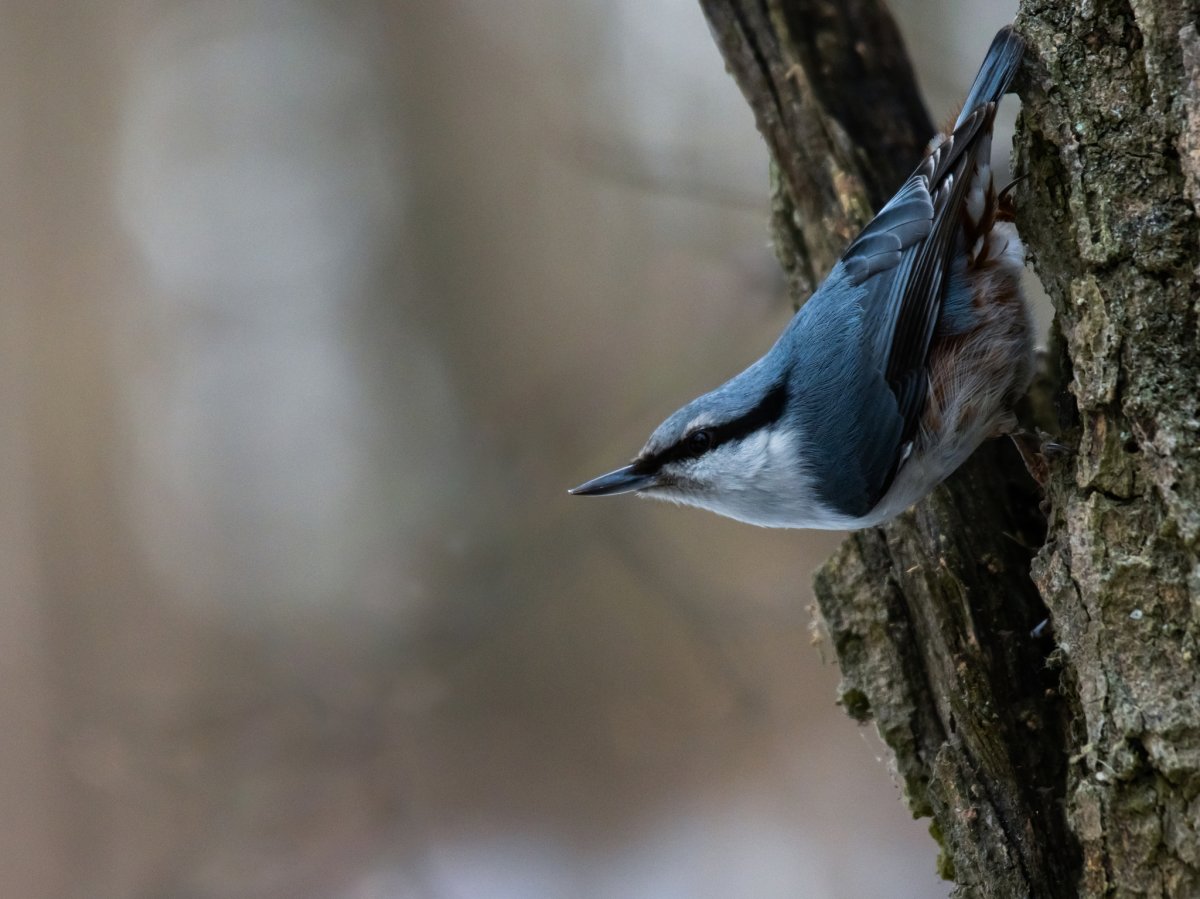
{"type": "Point", "coordinates": [768, 410]}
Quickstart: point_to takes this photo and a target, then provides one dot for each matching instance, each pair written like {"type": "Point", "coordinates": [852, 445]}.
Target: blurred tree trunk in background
{"type": "Point", "coordinates": [1059, 758]}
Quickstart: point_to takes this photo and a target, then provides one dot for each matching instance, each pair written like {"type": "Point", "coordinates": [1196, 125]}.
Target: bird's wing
{"type": "Point", "coordinates": [900, 259]}
{"type": "Point", "coordinates": [894, 274]}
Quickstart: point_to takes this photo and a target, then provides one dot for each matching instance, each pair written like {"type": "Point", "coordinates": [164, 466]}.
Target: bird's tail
{"type": "Point", "coordinates": [999, 66]}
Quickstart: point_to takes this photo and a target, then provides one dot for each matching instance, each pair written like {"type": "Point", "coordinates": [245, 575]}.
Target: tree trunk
{"type": "Point", "coordinates": [1032, 661]}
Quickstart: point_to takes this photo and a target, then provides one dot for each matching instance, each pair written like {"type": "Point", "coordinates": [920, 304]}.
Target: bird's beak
{"type": "Point", "coordinates": [623, 480]}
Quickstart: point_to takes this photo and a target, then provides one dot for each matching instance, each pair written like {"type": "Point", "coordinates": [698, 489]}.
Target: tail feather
{"type": "Point", "coordinates": [999, 66]}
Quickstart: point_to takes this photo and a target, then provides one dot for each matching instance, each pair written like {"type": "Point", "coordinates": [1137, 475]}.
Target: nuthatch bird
{"type": "Point", "coordinates": [910, 354]}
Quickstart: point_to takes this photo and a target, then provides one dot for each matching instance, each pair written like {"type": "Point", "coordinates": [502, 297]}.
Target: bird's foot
{"type": "Point", "coordinates": [1037, 450]}
{"type": "Point", "coordinates": [1006, 209]}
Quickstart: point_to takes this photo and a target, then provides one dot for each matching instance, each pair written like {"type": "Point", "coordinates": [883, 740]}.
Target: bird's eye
{"type": "Point", "coordinates": [699, 441]}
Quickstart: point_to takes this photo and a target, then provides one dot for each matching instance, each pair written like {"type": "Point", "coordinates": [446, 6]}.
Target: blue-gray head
{"type": "Point", "coordinates": [733, 451]}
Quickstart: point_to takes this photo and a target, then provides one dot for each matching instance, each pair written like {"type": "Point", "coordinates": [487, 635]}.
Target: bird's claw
{"type": "Point", "coordinates": [1036, 452]}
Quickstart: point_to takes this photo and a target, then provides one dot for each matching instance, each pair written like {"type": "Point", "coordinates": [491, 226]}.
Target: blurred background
{"type": "Point", "coordinates": [311, 313]}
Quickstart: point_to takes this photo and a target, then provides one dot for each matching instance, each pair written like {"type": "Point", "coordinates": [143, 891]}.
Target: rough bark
{"type": "Point", "coordinates": [1111, 116]}
{"type": "Point", "coordinates": [1031, 663]}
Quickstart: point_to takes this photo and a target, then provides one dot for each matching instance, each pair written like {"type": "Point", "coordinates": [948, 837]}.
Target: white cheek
{"type": "Point", "coordinates": [781, 474]}
{"type": "Point", "coordinates": [752, 456]}
{"type": "Point", "coordinates": [781, 446]}
{"type": "Point", "coordinates": [711, 468]}
{"type": "Point", "coordinates": [763, 461]}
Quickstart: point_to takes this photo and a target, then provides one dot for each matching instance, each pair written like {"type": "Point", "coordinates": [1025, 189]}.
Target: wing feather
{"type": "Point", "coordinates": [901, 258]}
